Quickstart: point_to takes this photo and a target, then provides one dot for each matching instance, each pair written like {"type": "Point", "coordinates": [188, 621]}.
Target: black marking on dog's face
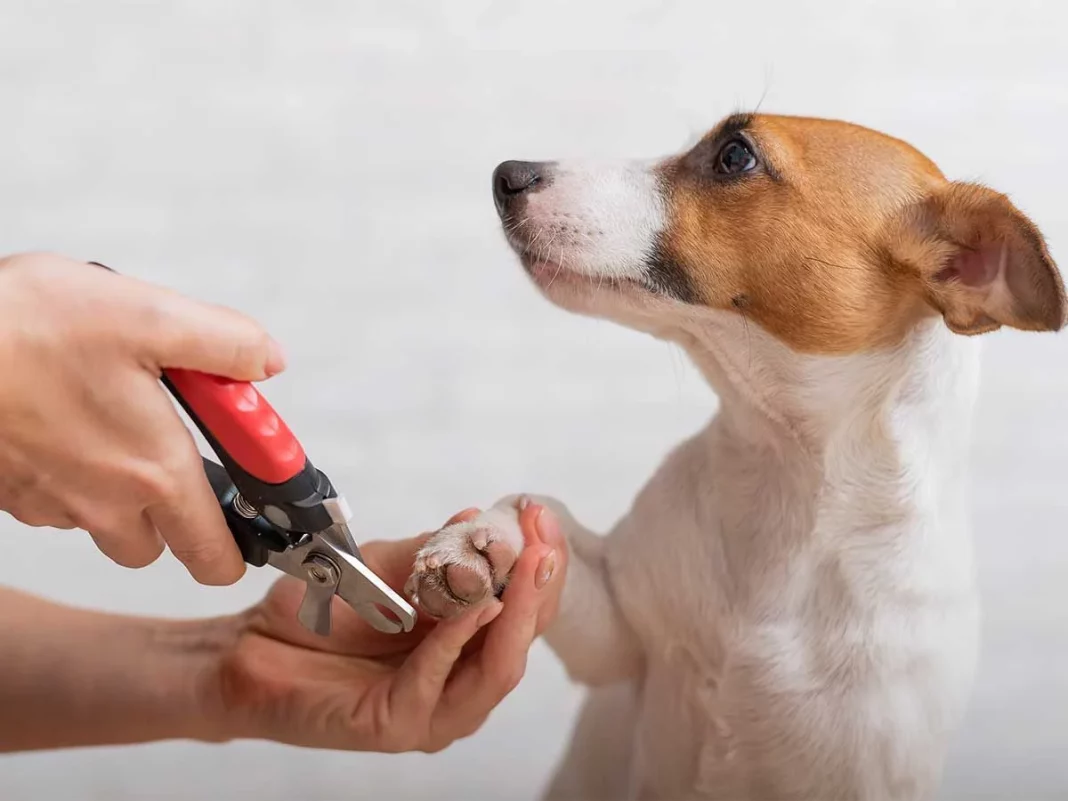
{"type": "Point", "coordinates": [667, 277]}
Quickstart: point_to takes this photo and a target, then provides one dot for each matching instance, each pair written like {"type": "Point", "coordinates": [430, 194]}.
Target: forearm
{"type": "Point", "coordinates": [71, 677]}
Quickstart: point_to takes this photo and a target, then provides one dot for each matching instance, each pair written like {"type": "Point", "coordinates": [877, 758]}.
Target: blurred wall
{"type": "Point", "coordinates": [325, 167]}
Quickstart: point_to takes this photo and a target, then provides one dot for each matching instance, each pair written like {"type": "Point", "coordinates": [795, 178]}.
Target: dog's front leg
{"type": "Point", "coordinates": [466, 562]}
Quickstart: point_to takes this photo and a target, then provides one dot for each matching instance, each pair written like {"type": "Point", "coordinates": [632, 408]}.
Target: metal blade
{"type": "Point", "coordinates": [369, 595]}
{"type": "Point", "coordinates": [314, 612]}
{"type": "Point", "coordinates": [328, 566]}
{"type": "Point", "coordinates": [323, 576]}
{"type": "Point", "coordinates": [341, 538]}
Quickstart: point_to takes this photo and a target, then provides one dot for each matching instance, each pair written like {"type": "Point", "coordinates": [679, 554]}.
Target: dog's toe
{"type": "Point", "coordinates": [466, 582]}
{"type": "Point", "coordinates": [460, 566]}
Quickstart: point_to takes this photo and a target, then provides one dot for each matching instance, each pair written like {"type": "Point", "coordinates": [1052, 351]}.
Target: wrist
{"type": "Point", "coordinates": [191, 658]}
{"type": "Point", "coordinates": [73, 677]}
{"type": "Point", "coordinates": [156, 684]}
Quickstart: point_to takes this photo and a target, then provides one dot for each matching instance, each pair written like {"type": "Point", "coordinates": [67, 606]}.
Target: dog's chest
{"type": "Point", "coordinates": [710, 542]}
{"type": "Point", "coordinates": [690, 597]}
{"type": "Point", "coordinates": [756, 637]}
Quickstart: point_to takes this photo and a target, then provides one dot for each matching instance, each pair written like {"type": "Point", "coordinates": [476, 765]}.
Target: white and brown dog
{"type": "Point", "coordinates": [788, 611]}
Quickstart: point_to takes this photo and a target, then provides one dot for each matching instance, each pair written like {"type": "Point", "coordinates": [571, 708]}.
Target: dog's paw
{"type": "Point", "coordinates": [466, 563]}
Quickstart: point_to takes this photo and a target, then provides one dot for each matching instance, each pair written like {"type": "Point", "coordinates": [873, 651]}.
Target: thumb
{"type": "Point", "coordinates": [212, 339]}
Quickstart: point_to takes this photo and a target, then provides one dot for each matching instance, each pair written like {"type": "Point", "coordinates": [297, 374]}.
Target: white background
{"type": "Point", "coordinates": [325, 167]}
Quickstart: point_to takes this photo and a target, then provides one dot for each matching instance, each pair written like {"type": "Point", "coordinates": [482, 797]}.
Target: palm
{"type": "Point", "coordinates": [323, 684]}
{"type": "Point", "coordinates": [360, 689]}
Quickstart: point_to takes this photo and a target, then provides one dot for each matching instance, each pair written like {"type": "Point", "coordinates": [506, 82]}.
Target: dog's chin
{"type": "Point", "coordinates": [623, 300]}
{"type": "Point", "coordinates": [580, 291]}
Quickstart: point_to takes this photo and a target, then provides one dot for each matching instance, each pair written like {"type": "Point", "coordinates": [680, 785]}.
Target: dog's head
{"type": "Point", "coordinates": [835, 239]}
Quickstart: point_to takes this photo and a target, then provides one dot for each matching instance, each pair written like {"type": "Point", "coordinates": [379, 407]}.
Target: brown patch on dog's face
{"type": "Point", "coordinates": [812, 228]}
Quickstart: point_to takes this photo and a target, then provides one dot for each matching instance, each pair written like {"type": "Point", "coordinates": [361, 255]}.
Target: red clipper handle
{"type": "Point", "coordinates": [242, 423]}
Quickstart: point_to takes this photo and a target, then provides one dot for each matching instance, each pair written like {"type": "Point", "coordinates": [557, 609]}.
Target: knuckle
{"type": "Point", "coordinates": [160, 482]}
{"type": "Point", "coordinates": [511, 677]}
{"type": "Point", "coordinates": [252, 346]}
{"type": "Point", "coordinates": [35, 517]}
{"type": "Point", "coordinates": [435, 747]}
{"type": "Point", "coordinates": [462, 727]}
{"type": "Point", "coordinates": [125, 546]}
{"type": "Point", "coordinates": [84, 520]}
{"type": "Point", "coordinates": [153, 320]}
{"type": "Point", "coordinates": [404, 745]}
{"type": "Point", "coordinates": [146, 480]}
{"type": "Point", "coordinates": [437, 737]}
{"type": "Point", "coordinates": [390, 738]}
{"type": "Point", "coordinates": [136, 555]}
{"type": "Point", "coordinates": [18, 499]}
{"type": "Point", "coordinates": [98, 519]}
{"type": "Point", "coordinates": [34, 263]}
{"type": "Point", "coordinates": [19, 484]}
{"type": "Point", "coordinates": [199, 552]}
{"type": "Point", "coordinates": [181, 462]}
{"type": "Point", "coordinates": [470, 728]}
{"type": "Point", "coordinates": [248, 343]}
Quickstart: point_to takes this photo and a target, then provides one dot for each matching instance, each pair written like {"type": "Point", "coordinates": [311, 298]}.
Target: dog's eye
{"type": "Point", "coordinates": [734, 158]}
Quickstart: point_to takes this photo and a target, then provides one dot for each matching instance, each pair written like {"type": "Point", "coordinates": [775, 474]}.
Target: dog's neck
{"type": "Point", "coordinates": [817, 405]}
{"type": "Point", "coordinates": [875, 442]}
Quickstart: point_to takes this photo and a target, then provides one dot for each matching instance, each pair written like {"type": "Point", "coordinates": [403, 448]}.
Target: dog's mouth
{"type": "Point", "coordinates": [550, 271]}
{"type": "Point", "coordinates": [554, 277]}
{"type": "Point", "coordinates": [587, 234]}
{"type": "Point", "coordinates": [549, 274]}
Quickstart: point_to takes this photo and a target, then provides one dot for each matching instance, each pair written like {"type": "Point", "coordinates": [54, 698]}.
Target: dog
{"type": "Point", "coordinates": [788, 610]}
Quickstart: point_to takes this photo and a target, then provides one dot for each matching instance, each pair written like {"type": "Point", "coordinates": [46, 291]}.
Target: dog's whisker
{"type": "Point", "coordinates": [537, 235]}
{"type": "Point", "coordinates": [559, 269]}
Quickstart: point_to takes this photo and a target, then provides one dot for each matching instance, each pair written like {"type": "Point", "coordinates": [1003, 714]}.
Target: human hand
{"type": "Point", "coordinates": [88, 436]}
{"type": "Point", "coordinates": [363, 690]}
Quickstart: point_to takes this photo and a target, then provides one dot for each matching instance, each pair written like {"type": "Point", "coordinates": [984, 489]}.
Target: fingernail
{"type": "Point", "coordinates": [523, 503]}
{"type": "Point", "coordinates": [548, 527]}
{"type": "Point", "coordinates": [487, 615]}
{"type": "Point", "coordinates": [276, 359]}
{"type": "Point", "coordinates": [545, 570]}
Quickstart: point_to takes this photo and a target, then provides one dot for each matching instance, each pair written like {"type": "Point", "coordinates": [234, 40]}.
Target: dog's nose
{"type": "Point", "coordinates": [512, 179]}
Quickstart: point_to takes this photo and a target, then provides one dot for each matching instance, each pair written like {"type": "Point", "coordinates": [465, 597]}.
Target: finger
{"type": "Point", "coordinates": [190, 521]}
{"type": "Point", "coordinates": [539, 524]}
{"type": "Point", "coordinates": [421, 679]}
{"type": "Point", "coordinates": [483, 681]}
{"type": "Point", "coordinates": [135, 544]}
{"type": "Point", "coordinates": [176, 331]}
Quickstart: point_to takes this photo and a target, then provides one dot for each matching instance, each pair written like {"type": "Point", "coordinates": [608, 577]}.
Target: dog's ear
{"type": "Point", "coordinates": [981, 262]}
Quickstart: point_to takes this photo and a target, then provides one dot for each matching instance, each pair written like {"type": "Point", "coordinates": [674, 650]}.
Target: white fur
{"type": "Point", "coordinates": [788, 609]}
{"type": "Point", "coordinates": [596, 219]}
